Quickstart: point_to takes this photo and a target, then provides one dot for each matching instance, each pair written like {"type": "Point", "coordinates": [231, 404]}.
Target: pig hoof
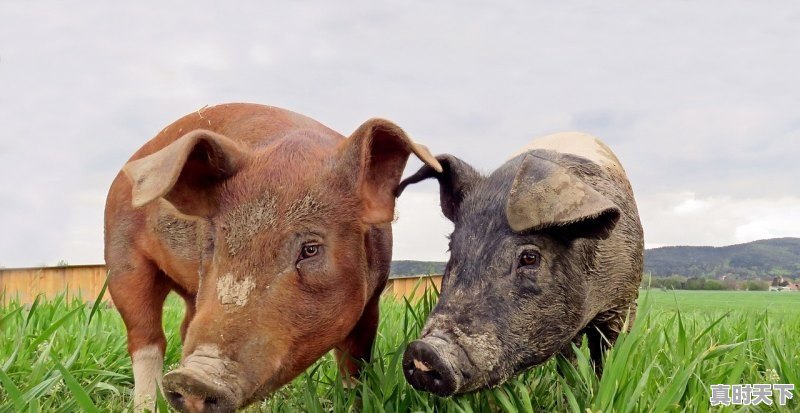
{"type": "Point", "coordinates": [426, 369]}
{"type": "Point", "coordinates": [349, 383]}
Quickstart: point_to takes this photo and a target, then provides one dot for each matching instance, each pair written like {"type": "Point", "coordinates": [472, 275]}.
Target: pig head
{"type": "Point", "coordinates": [273, 228]}
{"type": "Point", "coordinates": [545, 249]}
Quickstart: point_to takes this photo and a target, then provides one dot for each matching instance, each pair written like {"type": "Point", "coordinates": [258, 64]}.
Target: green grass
{"type": "Point", "coordinates": [66, 356]}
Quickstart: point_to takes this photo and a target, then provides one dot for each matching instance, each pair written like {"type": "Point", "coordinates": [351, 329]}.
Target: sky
{"type": "Point", "coordinates": [699, 100]}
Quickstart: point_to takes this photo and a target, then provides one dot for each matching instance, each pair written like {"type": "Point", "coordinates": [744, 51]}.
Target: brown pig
{"type": "Point", "coordinates": [546, 249]}
{"type": "Point", "coordinates": [276, 232]}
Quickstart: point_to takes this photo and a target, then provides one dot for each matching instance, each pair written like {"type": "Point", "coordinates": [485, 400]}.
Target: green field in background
{"type": "Point", "coordinates": [755, 302]}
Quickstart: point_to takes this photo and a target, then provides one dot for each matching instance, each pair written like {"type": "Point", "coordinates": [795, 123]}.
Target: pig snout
{"type": "Point", "coordinates": [435, 364]}
{"type": "Point", "coordinates": [202, 385]}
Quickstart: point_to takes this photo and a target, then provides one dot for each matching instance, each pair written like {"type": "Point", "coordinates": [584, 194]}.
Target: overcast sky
{"type": "Point", "coordinates": [699, 100]}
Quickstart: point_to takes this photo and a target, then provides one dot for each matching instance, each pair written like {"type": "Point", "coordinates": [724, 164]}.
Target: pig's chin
{"type": "Point", "coordinates": [263, 392]}
{"type": "Point", "coordinates": [506, 369]}
{"type": "Point", "coordinates": [481, 379]}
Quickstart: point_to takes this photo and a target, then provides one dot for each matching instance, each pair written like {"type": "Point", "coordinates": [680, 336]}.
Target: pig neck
{"type": "Point", "coordinates": [378, 246]}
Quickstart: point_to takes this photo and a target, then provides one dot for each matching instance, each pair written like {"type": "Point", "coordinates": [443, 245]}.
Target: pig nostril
{"type": "Point", "coordinates": [435, 376]}
{"type": "Point", "coordinates": [430, 373]}
{"type": "Point", "coordinates": [174, 397]}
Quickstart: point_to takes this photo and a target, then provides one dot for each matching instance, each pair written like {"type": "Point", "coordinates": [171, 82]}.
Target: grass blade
{"type": "Point", "coordinates": [81, 397]}
{"type": "Point", "coordinates": [12, 391]}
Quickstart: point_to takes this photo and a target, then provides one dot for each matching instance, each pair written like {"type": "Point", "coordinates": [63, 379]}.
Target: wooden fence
{"type": "Point", "coordinates": [83, 281]}
{"type": "Point", "coordinates": [86, 281]}
{"type": "Point", "coordinates": [412, 286]}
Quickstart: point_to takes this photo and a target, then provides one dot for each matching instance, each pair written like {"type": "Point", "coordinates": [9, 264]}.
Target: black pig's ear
{"type": "Point", "coordinates": [455, 180]}
{"type": "Point", "coordinates": [546, 195]}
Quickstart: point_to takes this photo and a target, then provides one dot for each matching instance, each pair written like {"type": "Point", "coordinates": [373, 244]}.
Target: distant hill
{"type": "Point", "coordinates": [401, 268]}
{"type": "Point", "coordinates": [761, 259]}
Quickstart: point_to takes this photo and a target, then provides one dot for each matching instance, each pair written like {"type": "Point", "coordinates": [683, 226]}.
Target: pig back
{"type": "Point", "coordinates": [248, 123]}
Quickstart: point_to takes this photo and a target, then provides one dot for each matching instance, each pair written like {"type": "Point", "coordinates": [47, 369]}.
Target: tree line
{"type": "Point", "coordinates": [680, 282]}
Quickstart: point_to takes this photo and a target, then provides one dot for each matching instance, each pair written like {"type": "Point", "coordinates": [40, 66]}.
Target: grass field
{"type": "Point", "coordinates": [64, 356]}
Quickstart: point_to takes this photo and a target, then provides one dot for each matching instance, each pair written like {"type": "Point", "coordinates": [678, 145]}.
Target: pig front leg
{"type": "Point", "coordinates": [568, 354]}
{"type": "Point", "coordinates": [567, 351]}
{"type": "Point", "coordinates": [603, 332]}
{"type": "Point", "coordinates": [191, 309]}
{"type": "Point", "coordinates": [139, 293]}
{"type": "Point", "coordinates": [600, 339]}
{"type": "Point", "coordinates": [357, 346]}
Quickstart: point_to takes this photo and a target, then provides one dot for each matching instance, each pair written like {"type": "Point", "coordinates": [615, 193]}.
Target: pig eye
{"type": "Point", "coordinates": [529, 259]}
{"type": "Point", "coordinates": [308, 251]}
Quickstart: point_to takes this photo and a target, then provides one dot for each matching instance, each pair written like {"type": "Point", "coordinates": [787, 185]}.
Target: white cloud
{"type": "Point", "coordinates": [205, 56]}
{"type": "Point", "coordinates": [261, 55]}
{"type": "Point", "coordinates": [690, 101]}
{"type": "Point", "coordinates": [420, 231]}
{"type": "Point", "coordinates": [722, 220]}
{"type": "Point", "coordinates": [690, 205]}
{"type": "Point", "coordinates": [753, 231]}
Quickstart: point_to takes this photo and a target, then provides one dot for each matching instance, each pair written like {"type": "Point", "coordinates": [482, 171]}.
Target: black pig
{"type": "Point", "coordinates": [547, 248]}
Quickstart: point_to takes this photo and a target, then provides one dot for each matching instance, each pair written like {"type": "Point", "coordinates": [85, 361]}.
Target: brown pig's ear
{"type": "Point", "coordinates": [186, 172]}
{"type": "Point", "coordinates": [546, 195]}
{"type": "Point", "coordinates": [378, 151]}
{"type": "Point", "coordinates": [455, 180]}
